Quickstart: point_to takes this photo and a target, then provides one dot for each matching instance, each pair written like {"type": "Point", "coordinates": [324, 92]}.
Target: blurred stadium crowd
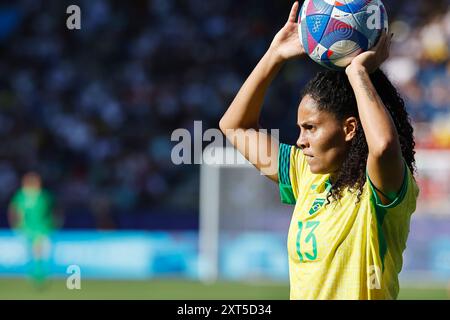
{"type": "Point", "coordinates": [93, 110]}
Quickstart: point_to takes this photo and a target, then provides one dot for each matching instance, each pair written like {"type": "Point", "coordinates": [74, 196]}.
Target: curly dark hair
{"type": "Point", "coordinates": [333, 93]}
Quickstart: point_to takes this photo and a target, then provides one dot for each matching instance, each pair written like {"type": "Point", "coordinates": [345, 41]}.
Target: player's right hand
{"type": "Point", "coordinates": [286, 42]}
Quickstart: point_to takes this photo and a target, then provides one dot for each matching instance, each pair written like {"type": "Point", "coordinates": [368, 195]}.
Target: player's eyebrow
{"type": "Point", "coordinates": [305, 124]}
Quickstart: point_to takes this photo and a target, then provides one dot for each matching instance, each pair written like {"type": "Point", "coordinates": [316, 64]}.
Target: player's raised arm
{"type": "Point", "coordinates": [240, 123]}
{"type": "Point", "coordinates": [385, 163]}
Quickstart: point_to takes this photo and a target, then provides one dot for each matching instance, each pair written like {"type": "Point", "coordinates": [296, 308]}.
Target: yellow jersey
{"type": "Point", "coordinates": [346, 249]}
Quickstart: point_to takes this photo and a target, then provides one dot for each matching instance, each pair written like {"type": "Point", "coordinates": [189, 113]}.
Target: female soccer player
{"type": "Point", "coordinates": [350, 176]}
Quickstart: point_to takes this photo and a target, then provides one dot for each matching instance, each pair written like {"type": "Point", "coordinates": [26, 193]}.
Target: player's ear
{"type": "Point", "coordinates": [350, 126]}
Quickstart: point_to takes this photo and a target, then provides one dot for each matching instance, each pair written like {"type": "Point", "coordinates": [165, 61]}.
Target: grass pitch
{"type": "Point", "coordinates": [173, 290]}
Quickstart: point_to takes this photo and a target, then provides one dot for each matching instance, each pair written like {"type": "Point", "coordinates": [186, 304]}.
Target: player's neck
{"type": "Point", "coordinates": [333, 177]}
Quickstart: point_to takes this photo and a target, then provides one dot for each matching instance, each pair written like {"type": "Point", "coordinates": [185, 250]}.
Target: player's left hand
{"type": "Point", "coordinates": [372, 59]}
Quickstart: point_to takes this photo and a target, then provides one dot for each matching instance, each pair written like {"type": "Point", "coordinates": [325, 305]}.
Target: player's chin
{"type": "Point", "coordinates": [317, 168]}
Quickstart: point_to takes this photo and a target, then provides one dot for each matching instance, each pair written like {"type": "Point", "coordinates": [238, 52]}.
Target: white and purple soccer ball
{"type": "Point", "coordinates": [334, 32]}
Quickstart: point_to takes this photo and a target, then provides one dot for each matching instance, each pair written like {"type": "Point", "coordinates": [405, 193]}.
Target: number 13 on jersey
{"type": "Point", "coordinates": [306, 242]}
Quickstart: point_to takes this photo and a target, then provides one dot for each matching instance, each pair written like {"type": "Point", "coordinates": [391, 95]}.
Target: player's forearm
{"type": "Point", "coordinates": [244, 111]}
{"type": "Point", "coordinates": [379, 128]}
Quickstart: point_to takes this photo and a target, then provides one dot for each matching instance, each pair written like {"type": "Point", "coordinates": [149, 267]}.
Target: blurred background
{"type": "Point", "coordinates": [93, 110]}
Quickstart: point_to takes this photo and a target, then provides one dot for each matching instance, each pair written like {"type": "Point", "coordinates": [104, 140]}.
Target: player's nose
{"type": "Point", "coordinates": [302, 142]}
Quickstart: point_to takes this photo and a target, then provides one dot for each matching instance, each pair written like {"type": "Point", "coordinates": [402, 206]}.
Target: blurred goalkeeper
{"type": "Point", "coordinates": [350, 175]}
{"type": "Point", "coordinates": [31, 214]}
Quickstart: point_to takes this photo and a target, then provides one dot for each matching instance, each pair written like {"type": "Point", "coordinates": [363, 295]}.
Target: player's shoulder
{"type": "Point", "coordinates": [46, 194]}
{"type": "Point", "coordinates": [404, 200]}
{"type": "Point", "coordinates": [17, 195]}
{"type": "Point", "coordinates": [291, 155]}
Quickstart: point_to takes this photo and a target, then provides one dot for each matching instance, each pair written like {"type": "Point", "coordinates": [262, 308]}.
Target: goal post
{"type": "Point", "coordinates": [238, 202]}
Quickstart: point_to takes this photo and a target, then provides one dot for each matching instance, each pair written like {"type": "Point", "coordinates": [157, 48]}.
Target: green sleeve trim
{"type": "Point", "coordinates": [381, 210]}
{"type": "Point", "coordinates": [284, 163]}
{"type": "Point", "coordinates": [382, 244]}
{"type": "Point", "coordinates": [286, 194]}
{"type": "Point", "coordinates": [284, 181]}
{"type": "Point", "coordinates": [397, 198]}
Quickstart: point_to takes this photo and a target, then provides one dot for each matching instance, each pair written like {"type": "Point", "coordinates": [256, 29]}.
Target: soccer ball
{"type": "Point", "coordinates": [334, 32]}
